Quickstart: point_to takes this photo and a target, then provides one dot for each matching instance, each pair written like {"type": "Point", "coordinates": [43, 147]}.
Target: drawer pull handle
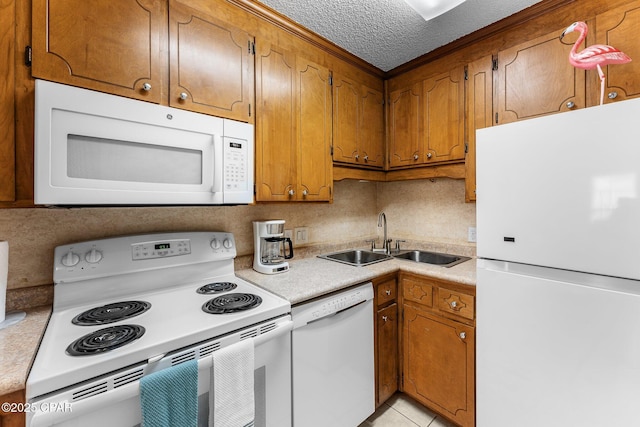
{"type": "Point", "coordinates": [388, 291]}
{"type": "Point", "coordinates": [463, 335]}
{"type": "Point", "coordinates": [454, 304]}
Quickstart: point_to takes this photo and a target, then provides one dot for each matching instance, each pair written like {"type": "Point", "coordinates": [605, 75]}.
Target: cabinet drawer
{"type": "Point", "coordinates": [387, 291]}
{"type": "Point", "coordinates": [456, 303]}
{"type": "Point", "coordinates": [418, 291]}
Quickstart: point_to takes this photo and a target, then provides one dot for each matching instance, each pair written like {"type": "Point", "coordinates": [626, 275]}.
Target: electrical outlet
{"type": "Point", "coordinates": [301, 235]}
{"type": "Point", "coordinates": [289, 234]}
{"type": "Point", "coordinates": [472, 234]}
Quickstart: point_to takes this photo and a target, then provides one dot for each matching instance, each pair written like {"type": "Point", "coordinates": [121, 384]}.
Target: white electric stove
{"type": "Point", "coordinates": [138, 300]}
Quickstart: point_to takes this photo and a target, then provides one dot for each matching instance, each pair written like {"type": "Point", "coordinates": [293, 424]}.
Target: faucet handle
{"type": "Point", "coordinates": [373, 243]}
{"type": "Point", "coordinates": [398, 241]}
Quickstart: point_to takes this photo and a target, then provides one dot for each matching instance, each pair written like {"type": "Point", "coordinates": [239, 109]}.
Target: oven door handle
{"type": "Point", "coordinates": [131, 390]}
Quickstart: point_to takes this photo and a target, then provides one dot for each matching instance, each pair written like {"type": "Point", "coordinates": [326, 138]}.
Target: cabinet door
{"type": "Point", "coordinates": [212, 68]}
{"type": "Point", "coordinates": [371, 124]}
{"type": "Point", "coordinates": [438, 365]}
{"type": "Point", "coordinates": [443, 128]}
{"type": "Point", "coordinates": [313, 125]}
{"type": "Point", "coordinates": [7, 103]}
{"type": "Point", "coordinates": [535, 79]}
{"type": "Point", "coordinates": [618, 28]}
{"type": "Point", "coordinates": [276, 124]}
{"type": "Point", "coordinates": [479, 105]}
{"type": "Point", "coordinates": [346, 106]}
{"type": "Point", "coordinates": [387, 348]}
{"type": "Point", "coordinates": [109, 46]}
{"type": "Point", "coordinates": [405, 112]}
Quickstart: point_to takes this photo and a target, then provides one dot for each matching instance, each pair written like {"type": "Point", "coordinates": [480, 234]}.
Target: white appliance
{"type": "Point", "coordinates": [558, 286]}
{"type": "Point", "coordinates": [333, 373]}
{"type": "Point", "coordinates": [180, 300]}
{"type": "Point", "coordinates": [270, 247]}
{"type": "Point", "coordinates": [92, 148]}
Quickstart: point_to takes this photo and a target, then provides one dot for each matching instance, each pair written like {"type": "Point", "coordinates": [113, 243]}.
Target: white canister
{"type": "Point", "coordinates": [4, 271]}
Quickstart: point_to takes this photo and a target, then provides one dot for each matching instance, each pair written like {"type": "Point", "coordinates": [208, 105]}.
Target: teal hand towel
{"type": "Point", "coordinates": [169, 398]}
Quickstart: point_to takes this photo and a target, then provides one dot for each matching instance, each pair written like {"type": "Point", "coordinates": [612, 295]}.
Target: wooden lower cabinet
{"type": "Point", "coordinates": [386, 337]}
{"type": "Point", "coordinates": [438, 347]}
{"type": "Point", "coordinates": [12, 418]}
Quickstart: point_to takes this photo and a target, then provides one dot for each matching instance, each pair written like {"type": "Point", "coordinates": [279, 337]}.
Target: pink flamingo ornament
{"type": "Point", "coordinates": [593, 56]}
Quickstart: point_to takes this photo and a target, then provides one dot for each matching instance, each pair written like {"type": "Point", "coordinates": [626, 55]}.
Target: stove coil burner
{"type": "Point", "coordinates": [231, 303]}
{"type": "Point", "coordinates": [111, 313]}
{"type": "Point", "coordinates": [214, 288]}
{"type": "Point", "coordinates": [105, 339]}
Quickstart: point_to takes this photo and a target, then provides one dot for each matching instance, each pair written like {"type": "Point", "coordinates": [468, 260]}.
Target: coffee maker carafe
{"type": "Point", "coordinates": [270, 251]}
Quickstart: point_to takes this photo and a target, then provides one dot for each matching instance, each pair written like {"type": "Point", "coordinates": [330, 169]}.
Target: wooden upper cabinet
{"type": "Point", "coordinates": [618, 28]}
{"type": "Point", "coordinates": [314, 128]}
{"type": "Point", "coordinates": [211, 65]}
{"type": "Point", "coordinates": [7, 103]}
{"type": "Point", "coordinates": [371, 121]}
{"type": "Point", "coordinates": [276, 124]}
{"type": "Point", "coordinates": [358, 123]}
{"type": "Point", "coordinates": [108, 46]}
{"type": "Point", "coordinates": [346, 127]}
{"type": "Point", "coordinates": [444, 117]}
{"type": "Point", "coordinates": [405, 126]}
{"type": "Point", "coordinates": [479, 113]}
{"type": "Point", "coordinates": [293, 129]}
{"type": "Point", "coordinates": [426, 121]}
{"type": "Point", "coordinates": [536, 79]}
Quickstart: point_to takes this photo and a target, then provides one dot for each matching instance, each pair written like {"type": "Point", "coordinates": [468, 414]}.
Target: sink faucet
{"type": "Point", "coordinates": [382, 222]}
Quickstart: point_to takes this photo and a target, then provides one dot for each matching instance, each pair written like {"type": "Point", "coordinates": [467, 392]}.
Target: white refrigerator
{"type": "Point", "coordinates": [558, 283]}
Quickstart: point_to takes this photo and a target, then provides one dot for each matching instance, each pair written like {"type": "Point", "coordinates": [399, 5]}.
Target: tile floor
{"type": "Point", "coordinates": [402, 411]}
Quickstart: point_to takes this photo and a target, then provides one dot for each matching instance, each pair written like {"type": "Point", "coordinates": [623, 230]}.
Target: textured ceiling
{"type": "Point", "coordinates": [388, 33]}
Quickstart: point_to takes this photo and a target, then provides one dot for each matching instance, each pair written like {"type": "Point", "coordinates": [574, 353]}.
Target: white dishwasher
{"type": "Point", "coordinates": [332, 356]}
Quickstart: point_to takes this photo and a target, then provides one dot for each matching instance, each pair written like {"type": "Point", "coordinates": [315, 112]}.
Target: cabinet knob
{"type": "Point", "coordinates": [388, 291]}
{"type": "Point", "coordinates": [453, 304]}
{"type": "Point", "coordinates": [463, 335]}
{"type": "Point", "coordinates": [291, 192]}
{"type": "Point", "coordinates": [416, 157]}
{"type": "Point", "coordinates": [366, 158]}
{"type": "Point", "coordinates": [612, 95]}
{"type": "Point", "coordinates": [385, 318]}
{"type": "Point", "coordinates": [571, 104]}
{"type": "Point", "coordinates": [357, 156]}
{"type": "Point", "coordinates": [146, 87]}
{"type": "Point", "coordinates": [305, 192]}
{"type": "Point", "coordinates": [429, 155]}
{"type": "Point", "coordinates": [183, 95]}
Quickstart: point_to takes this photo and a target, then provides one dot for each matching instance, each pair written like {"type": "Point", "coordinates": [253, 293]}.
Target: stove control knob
{"type": "Point", "coordinates": [215, 244]}
{"type": "Point", "coordinates": [227, 244]}
{"type": "Point", "coordinates": [70, 259]}
{"type": "Point", "coordinates": [93, 256]}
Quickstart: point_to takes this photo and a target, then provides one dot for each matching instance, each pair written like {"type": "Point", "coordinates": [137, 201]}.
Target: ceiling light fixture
{"type": "Point", "coordinates": [429, 9]}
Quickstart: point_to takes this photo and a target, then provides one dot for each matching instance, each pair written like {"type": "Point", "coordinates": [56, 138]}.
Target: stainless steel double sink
{"type": "Point", "coordinates": [360, 258]}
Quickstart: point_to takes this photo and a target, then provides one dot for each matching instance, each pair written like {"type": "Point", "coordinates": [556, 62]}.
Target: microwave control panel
{"type": "Point", "coordinates": [235, 164]}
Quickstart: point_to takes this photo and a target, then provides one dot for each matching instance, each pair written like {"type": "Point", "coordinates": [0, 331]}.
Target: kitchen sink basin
{"type": "Point", "coordinates": [356, 257]}
{"type": "Point", "coordinates": [436, 258]}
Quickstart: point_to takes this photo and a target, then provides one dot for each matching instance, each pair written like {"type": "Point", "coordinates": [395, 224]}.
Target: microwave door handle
{"type": "Point", "coordinates": [217, 164]}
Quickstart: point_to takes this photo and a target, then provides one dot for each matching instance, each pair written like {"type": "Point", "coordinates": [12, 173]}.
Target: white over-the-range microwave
{"type": "Point", "coordinates": [92, 148]}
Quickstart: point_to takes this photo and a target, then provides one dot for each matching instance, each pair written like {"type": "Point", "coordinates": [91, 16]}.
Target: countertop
{"type": "Point", "coordinates": [310, 278]}
{"type": "Point", "coordinates": [306, 279]}
{"type": "Point", "coordinates": [18, 345]}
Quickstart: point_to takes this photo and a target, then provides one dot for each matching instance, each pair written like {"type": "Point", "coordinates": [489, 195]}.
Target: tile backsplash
{"type": "Point", "coordinates": [417, 210]}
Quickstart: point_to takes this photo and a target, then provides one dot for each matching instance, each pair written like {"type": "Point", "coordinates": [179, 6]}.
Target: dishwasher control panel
{"type": "Point", "coordinates": [332, 304]}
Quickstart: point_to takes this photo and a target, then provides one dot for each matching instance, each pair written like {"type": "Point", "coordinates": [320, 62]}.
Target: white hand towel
{"type": "Point", "coordinates": [231, 394]}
